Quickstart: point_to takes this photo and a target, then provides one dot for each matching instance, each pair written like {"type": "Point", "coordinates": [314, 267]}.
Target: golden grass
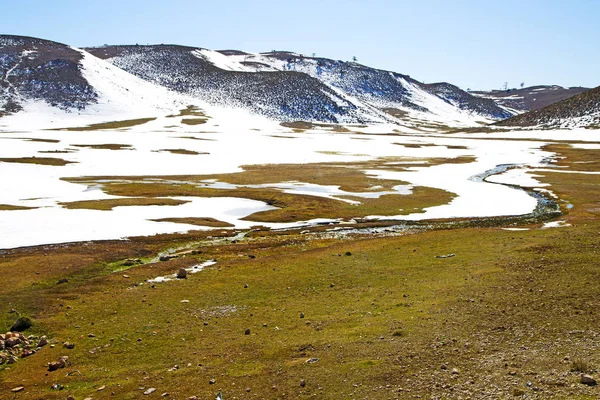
{"type": "Point", "coordinates": [108, 146]}
{"type": "Point", "coordinates": [200, 221]}
{"type": "Point", "coordinates": [109, 204]}
{"type": "Point", "coordinates": [50, 161]}
{"type": "Point", "coordinates": [110, 125]}
{"type": "Point", "coordinates": [181, 151]}
{"type": "Point", "coordinates": [10, 207]}
{"type": "Point", "coordinates": [193, 121]}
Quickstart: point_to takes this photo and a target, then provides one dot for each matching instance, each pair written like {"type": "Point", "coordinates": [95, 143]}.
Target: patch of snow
{"type": "Point", "coordinates": [556, 224]}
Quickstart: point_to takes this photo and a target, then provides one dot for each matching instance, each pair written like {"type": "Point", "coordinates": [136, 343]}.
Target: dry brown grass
{"type": "Point", "coordinates": [50, 161]}
{"type": "Point", "coordinates": [109, 204]}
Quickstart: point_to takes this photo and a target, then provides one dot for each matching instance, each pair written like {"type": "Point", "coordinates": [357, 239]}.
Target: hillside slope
{"type": "Point", "coordinates": [396, 93]}
{"type": "Point", "coordinates": [529, 98]}
{"type": "Point", "coordinates": [208, 75]}
{"type": "Point", "coordinates": [582, 110]}
{"type": "Point", "coordinates": [53, 83]}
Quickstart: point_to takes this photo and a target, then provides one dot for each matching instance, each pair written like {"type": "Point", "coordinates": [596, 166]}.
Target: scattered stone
{"type": "Point", "coordinates": [71, 398]}
{"type": "Point", "coordinates": [348, 254]}
{"type": "Point", "coordinates": [101, 388]}
{"type": "Point", "coordinates": [182, 274]}
{"type": "Point", "coordinates": [331, 284]}
{"type": "Point", "coordinates": [27, 353]}
{"type": "Point", "coordinates": [61, 281]}
{"type": "Point", "coordinates": [588, 380]}
{"type": "Point", "coordinates": [165, 394]}
{"type": "Point", "coordinates": [184, 301]}
{"type": "Point", "coordinates": [301, 315]}
{"type": "Point", "coordinates": [22, 324]}
{"type": "Point", "coordinates": [302, 383]}
{"type": "Point", "coordinates": [212, 382]}
{"type": "Point", "coordinates": [455, 371]}
{"type": "Point", "coordinates": [12, 341]}
{"type": "Point", "coordinates": [312, 360]}
{"type": "Point", "coordinates": [252, 256]}
{"type": "Point", "coordinates": [247, 332]}
{"type": "Point", "coordinates": [150, 391]}
{"type": "Point", "coordinates": [445, 256]}
{"type": "Point", "coordinates": [193, 398]}
{"type": "Point", "coordinates": [18, 389]}
{"type": "Point", "coordinates": [54, 365]}
{"type": "Point", "coordinates": [444, 367]}
{"type": "Point", "coordinates": [246, 286]}
{"type": "Point", "coordinates": [91, 335]}
{"type": "Point", "coordinates": [125, 276]}
{"type": "Point", "coordinates": [248, 390]}
{"type": "Point", "coordinates": [43, 341]}
{"type": "Point", "coordinates": [69, 345]}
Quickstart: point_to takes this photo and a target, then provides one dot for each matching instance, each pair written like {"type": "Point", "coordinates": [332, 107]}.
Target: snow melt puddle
{"type": "Point", "coordinates": [191, 270]}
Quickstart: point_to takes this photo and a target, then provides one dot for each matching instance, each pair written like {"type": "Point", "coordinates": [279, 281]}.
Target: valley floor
{"type": "Point", "coordinates": [350, 305]}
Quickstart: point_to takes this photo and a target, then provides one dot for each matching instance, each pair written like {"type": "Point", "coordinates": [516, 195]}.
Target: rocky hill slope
{"type": "Point", "coordinates": [582, 110]}
{"type": "Point", "coordinates": [36, 69]}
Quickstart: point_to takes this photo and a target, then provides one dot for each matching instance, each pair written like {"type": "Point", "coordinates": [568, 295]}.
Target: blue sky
{"type": "Point", "coordinates": [473, 44]}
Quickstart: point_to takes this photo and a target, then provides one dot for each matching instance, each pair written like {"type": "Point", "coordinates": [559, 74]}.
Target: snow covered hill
{"type": "Point", "coordinates": [55, 85]}
{"type": "Point", "coordinates": [384, 90]}
{"type": "Point", "coordinates": [529, 98]}
{"type": "Point", "coordinates": [218, 80]}
{"type": "Point", "coordinates": [581, 111]}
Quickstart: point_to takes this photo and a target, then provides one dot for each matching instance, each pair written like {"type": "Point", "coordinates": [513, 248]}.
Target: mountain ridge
{"type": "Point", "coordinates": [280, 85]}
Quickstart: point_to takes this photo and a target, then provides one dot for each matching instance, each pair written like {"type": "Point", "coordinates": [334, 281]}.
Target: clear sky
{"type": "Point", "coordinates": [478, 44]}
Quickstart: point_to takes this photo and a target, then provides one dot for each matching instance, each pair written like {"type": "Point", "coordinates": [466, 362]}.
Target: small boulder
{"type": "Point", "coordinates": [12, 341]}
{"type": "Point", "coordinates": [43, 341]}
{"type": "Point", "coordinates": [69, 345]}
{"type": "Point", "coordinates": [588, 380]}
{"type": "Point", "coordinates": [22, 324]}
{"type": "Point", "coordinates": [17, 389]}
{"type": "Point", "coordinates": [182, 274]}
{"type": "Point", "coordinates": [150, 391]}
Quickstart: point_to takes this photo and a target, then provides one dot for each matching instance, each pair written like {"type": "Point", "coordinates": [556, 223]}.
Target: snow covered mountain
{"type": "Point", "coordinates": [62, 84]}
{"type": "Point", "coordinates": [581, 111]}
{"type": "Point", "coordinates": [529, 98]}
